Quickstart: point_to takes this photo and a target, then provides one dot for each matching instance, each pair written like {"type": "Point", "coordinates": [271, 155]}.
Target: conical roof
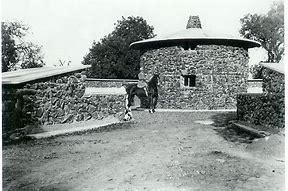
{"type": "Point", "coordinates": [194, 35]}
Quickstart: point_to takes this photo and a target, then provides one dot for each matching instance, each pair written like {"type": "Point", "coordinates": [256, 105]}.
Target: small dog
{"type": "Point", "coordinates": [128, 115]}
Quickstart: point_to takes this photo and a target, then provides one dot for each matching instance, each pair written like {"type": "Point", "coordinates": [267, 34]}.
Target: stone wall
{"type": "Point", "coordinates": [266, 109]}
{"type": "Point", "coordinates": [273, 82]}
{"type": "Point", "coordinates": [221, 73]}
{"type": "Point", "coordinates": [260, 109]}
{"type": "Point", "coordinates": [55, 100]}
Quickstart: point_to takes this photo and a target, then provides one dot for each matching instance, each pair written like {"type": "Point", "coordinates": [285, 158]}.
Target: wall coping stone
{"type": "Point", "coordinates": [195, 110]}
{"type": "Point", "coordinates": [104, 91]}
{"type": "Point", "coordinates": [254, 94]}
{"type": "Point", "coordinates": [31, 74]}
{"type": "Point", "coordinates": [111, 80]}
{"type": "Point", "coordinates": [255, 80]}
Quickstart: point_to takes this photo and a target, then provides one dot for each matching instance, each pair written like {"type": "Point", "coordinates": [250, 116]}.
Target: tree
{"type": "Point", "coordinates": [256, 71]}
{"type": "Point", "coordinates": [30, 56]}
{"type": "Point", "coordinates": [112, 57]}
{"type": "Point", "coordinates": [16, 52]}
{"type": "Point", "coordinates": [268, 29]}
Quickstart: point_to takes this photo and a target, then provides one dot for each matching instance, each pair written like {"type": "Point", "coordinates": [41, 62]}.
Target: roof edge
{"type": "Point", "coordinates": [278, 67]}
{"type": "Point", "coordinates": [32, 74]}
{"type": "Point", "coordinates": [247, 43]}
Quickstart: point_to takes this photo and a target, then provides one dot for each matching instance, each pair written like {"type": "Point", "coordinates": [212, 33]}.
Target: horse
{"type": "Point", "coordinates": [152, 97]}
{"type": "Point", "coordinates": [153, 92]}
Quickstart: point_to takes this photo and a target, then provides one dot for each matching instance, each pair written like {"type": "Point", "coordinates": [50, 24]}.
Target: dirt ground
{"type": "Point", "coordinates": [160, 151]}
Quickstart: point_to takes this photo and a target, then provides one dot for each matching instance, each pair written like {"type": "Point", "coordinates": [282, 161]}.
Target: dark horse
{"type": "Point", "coordinates": [152, 90]}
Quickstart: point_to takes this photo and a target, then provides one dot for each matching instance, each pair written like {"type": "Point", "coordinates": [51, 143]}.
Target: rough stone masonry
{"type": "Point", "coordinates": [198, 69]}
{"type": "Point", "coordinates": [59, 99]}
{"type": "Point", "coordinates": [221, 73]}
{"type": "Point", "coordinates": [267, 108]}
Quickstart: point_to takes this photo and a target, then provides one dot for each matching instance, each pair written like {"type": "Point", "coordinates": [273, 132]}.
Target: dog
{"type": "Point", "coordinates": [128, 115]}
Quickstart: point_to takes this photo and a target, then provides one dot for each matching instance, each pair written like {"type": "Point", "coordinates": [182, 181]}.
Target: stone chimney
{"type": "Point", "coordinates": [193, 22]}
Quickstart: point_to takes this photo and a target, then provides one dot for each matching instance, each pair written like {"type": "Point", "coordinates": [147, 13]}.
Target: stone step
{"type": "Point", "coordinates": [63, 129]}
{"type": "Point", "coordinates": [250, 130]}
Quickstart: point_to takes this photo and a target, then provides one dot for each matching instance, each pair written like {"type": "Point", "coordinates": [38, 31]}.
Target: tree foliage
{"type": "Point", "coordinates": [268, 29]}
{"type": "Point", "coordinates": [256, 71]}
{"type": "Point", "coordinates": [16, 52]}
{"type": "Point", "coordinates": [112, 57]}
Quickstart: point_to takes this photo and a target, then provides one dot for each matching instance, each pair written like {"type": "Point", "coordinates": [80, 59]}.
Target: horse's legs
{"type": "Point", "coordinates": [130, 98]}
{"type": "Point", "coordinates": [155, 103]}
{"type": "Point", "coordinates": [153, 98]}
{"type": "Point", "coordinates": [150, 104]}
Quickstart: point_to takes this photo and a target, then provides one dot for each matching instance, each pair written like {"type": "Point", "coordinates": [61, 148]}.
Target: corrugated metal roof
{"type": "Point", "coordinates": [26, 75]}
{"type": "Point", "coordinates": [278, 67]}
{"type": "Point", "coordinates": [194, 36]}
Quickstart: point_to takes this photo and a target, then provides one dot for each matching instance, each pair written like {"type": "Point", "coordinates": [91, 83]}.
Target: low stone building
{"type": "Point", "coordinates": [267, 108]}
{"type": "Point", "coordinates": [50, 95]}
{"type": "Point", "coordinates": [198, 69]}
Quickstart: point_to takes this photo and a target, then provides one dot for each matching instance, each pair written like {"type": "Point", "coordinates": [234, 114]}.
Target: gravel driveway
{"type": "Point", "coordinates": [160, 151]}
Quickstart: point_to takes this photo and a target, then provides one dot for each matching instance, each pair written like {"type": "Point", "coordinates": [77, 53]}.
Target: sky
{"type": "Point", "coordinates": [67, 28]}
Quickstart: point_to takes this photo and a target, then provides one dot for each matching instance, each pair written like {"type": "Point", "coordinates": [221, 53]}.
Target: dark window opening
{"type": "Point", "coordinates": [189, 80]}
{"type": "Point", "coordinates": [186, 47]}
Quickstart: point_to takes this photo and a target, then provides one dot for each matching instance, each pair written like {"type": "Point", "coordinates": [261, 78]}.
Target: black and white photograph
{"type": "Point", "coordinates": [143, 95]}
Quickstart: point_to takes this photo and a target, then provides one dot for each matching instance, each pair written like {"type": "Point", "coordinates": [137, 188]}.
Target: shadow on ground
{"type": "Point", "coordinates": [223, 119]}
{"type": "Point", "coordinates": [224, 128]}
{"type": "Point", "coordinates": [107, 128]}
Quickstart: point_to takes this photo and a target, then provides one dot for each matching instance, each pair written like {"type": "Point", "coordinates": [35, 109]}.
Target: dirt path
{"type": "Point", "coordinates": [163, 151]}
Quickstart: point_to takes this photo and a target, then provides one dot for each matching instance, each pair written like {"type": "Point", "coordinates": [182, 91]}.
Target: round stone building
{"type": "Point", "coordinates": [198, 69]}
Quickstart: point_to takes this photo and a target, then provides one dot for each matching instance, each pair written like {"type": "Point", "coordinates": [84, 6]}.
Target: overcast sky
{"type": "Point", "coordinates": [67, 28]}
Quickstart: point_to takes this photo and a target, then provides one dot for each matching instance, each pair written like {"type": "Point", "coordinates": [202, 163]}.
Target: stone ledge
{"type": "Point", "coordinates": [111, 80]}
{"type": "Point", "coordinates": [63, 129]}
{"type": "Point", "coordinates": [193, 110]}
{"type": "Point", "coordinates": [250, 130]}
{"type": "Point", "coordinates": [104, 91]}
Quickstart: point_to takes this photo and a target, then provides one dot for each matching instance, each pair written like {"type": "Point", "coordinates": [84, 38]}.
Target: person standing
{"type": "Point", "coordinates": [143, 80]}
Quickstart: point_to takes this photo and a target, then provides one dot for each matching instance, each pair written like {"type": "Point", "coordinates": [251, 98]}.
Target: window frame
{"type": "Point", "coordinates": [188, 81]}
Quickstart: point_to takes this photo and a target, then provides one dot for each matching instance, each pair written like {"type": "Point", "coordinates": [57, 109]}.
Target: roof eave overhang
{"type": "Point", "coordinates": [154, 44]}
